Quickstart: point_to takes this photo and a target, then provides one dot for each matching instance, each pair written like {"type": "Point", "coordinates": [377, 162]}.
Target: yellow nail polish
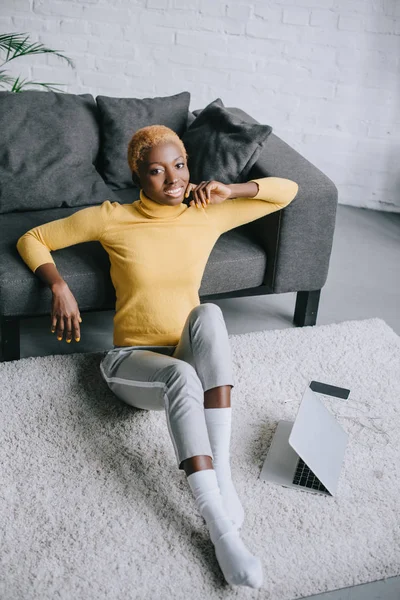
{"type": "Point", "coordinates": [77, 339]}
{"type": "Point", "coordinates": [59, 338]}
{"type": "Point", "coordinates": [68, 341]}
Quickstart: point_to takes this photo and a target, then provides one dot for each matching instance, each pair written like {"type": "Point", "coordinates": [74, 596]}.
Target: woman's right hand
{"type": "Point", "coordinates": [65, 315]}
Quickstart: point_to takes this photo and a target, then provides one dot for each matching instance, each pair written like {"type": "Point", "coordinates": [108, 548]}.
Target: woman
{"type": "Point", "coordinates": [170, 352]}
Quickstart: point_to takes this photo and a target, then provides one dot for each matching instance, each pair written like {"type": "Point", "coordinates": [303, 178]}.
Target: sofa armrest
{"type": "Point", "coordinates": [297, 239]}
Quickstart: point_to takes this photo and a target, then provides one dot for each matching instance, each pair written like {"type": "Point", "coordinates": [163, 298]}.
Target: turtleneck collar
{"type": "Point", "coordinates": [153, 210]}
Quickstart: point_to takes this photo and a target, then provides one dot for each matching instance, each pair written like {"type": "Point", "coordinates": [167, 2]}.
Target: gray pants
{"type": "Point", "coordinates": [174, 378]}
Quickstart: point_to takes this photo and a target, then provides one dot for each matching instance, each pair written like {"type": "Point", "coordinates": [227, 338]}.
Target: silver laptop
{"type": "Point", "coordinates": [307, 454]}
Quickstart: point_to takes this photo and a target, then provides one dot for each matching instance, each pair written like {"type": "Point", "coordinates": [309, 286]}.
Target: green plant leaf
{"type": "Point", "coordinates": [50, 86]}
{"type": "Point", "coordinates": [5, 78]}
{"type": "Point", "coordinates": [17, 45]}
{"type": "Point", "coordinates": [17, 84]}
{"type": "Point", "coordinates": [10, 41]}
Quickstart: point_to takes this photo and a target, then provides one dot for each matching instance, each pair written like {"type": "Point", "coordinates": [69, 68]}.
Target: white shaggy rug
{"type": "Point", "coordinates": [93, 506]}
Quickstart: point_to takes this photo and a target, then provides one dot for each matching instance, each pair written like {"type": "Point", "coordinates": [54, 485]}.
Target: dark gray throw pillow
{"type": "Point", "coordinates": [221, 146]}
{"type": "Point", "coordinates": [48, 150]}
{"type": "Point", "coordinates": [120, 118]}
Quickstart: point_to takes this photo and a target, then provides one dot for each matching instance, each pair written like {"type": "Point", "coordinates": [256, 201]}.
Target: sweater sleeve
{"type": "Point", "coordinates": [273, 194]}
{"type": "Point", "coordinates": [85, 225]}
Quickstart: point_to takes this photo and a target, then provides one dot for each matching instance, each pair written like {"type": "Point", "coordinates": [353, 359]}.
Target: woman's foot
{"type": "Point", "coordinates": [237, 564]}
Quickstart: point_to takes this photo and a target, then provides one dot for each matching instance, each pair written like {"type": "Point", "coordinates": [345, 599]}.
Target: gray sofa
{"type": "Point", "coordinates": [286, 251]}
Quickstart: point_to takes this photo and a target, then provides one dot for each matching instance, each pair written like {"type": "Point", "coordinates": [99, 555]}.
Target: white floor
{"type": "Point", "coordinates": [363, 282]}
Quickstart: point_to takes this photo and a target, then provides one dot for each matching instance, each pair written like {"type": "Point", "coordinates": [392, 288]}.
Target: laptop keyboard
{"type": "Point", "coordinates": [305, 477]}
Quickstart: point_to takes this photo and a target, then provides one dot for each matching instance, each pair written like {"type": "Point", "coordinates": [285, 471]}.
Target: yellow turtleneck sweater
{"type": "Point", "coordinates": [157, 253]}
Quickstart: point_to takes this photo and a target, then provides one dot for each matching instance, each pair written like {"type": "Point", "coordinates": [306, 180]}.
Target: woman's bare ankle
{"type": "Point", "coordinates": [196, 463]}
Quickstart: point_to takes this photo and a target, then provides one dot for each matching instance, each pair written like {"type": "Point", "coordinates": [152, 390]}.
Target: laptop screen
{"type": "Point", "coordinates": [319, 440]}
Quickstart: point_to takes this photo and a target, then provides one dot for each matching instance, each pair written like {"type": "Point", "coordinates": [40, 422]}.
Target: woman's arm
{"type": "Point", "coordinates": [35, 248]}
{"type": "Point", "coordinates": [244, 190]}
{"type": "Point", "coordinates": [49, 274]}
{"type": "Point", "coordinates": [250, 201]}
{"type": "Point", "coordinates": [85, 225]}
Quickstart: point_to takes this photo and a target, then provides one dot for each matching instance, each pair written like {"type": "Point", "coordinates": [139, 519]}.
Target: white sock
{"type": "Point", "coordinates": [218, 422]}
{"type": "Point", "coordinates": [237, 564]}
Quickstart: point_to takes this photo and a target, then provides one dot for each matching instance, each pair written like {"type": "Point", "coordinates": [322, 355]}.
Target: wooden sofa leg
{"type": "Point", "coordinates": [306, 309]}
{"type": "Point", "coordinates": [10, 338]}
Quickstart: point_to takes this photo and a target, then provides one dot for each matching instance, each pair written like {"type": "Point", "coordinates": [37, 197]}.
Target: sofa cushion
{"type": "Point", "coordinates": [49, 145]}
{"type": "Point", "coordinates": [120, 118]}
{"type": "Point", "coordinates": [221, 145]}
{"type": "Point", "coordinates": [236, 262]}
{"type": "Point", "coordinates": [190, 118]}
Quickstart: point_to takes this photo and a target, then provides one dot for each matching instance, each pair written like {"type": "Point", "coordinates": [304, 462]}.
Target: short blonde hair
{"type": "Point", "coordinates": [146, 138]}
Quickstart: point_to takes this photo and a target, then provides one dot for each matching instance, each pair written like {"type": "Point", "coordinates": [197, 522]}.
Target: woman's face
{"type": "Point", "coordinates": [164, 168]}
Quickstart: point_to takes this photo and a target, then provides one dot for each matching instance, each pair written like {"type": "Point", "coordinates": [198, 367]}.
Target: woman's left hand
{"type": "Point", "coordinates": [208, 192]}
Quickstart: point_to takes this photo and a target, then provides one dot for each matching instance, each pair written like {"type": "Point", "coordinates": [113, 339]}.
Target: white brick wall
{"type": "Point", "coordinates": [324, 73]}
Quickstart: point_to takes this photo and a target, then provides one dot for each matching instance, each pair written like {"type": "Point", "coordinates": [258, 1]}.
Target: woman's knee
{"type": "Point", "coordinates": [205, 309]}
{"type": "Point", "coordinates": [182, 380]}
{"type": "Point", "coordinates": [180, 369]}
